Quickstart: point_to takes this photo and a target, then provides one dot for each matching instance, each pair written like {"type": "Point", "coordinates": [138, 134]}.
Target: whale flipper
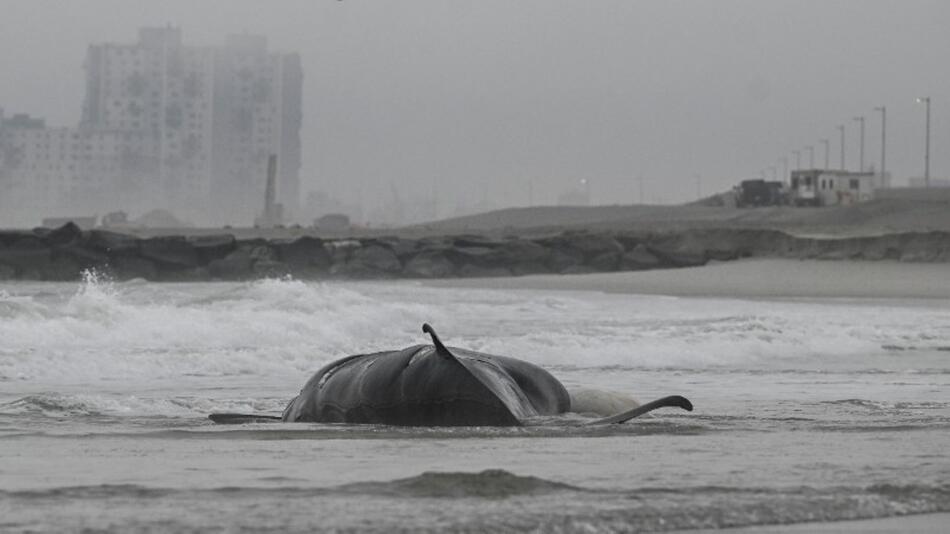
{"type": "Point", "coordinates": [672, 400]}
{"type": "Point", "coordinates": [241, 418]}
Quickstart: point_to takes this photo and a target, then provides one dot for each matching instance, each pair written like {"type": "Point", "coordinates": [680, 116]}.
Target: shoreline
{"type": "Point", "coordinates": [932, 523]}
{"type": "Point", "coordinates": [747, 278]}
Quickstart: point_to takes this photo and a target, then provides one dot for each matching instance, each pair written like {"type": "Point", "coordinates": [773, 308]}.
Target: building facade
{"type": "Point", "coordinates": [822, 187]}
{"type": "Point", "coordinates": [186, 129]}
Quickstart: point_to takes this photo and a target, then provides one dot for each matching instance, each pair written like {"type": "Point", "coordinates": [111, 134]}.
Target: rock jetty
{"type": "Point", "coordinates": [64, 253]}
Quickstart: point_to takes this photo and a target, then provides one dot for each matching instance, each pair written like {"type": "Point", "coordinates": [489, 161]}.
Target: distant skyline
{"type": "Point", "coordinates": [503, 100]}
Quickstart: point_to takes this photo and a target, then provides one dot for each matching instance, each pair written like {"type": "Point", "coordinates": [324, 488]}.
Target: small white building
{"type": "Point", "coordinates": [823, 187]}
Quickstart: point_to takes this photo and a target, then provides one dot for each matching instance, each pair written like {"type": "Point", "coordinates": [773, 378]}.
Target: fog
{"type": "Point", "coordinates": [500, 103]}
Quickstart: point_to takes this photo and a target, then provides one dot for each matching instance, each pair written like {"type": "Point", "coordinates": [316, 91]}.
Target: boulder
{"type": "Point", "coordinates": [585, 245]}
{"type": "Point", "coordinates": [270, 269]}
{"type": "Point", "coordinates": [65, 234]}
{"type": "Point", "coordinates": [605, 262]}
{"type": "Point", "coordinates": [7, 238]}
{"type": "Point", "coordinates": [402, 248]}
{"type": "Point", "coordinates": [27, 254]}
{"type": "Point", "coordinates": [85, 257]}
{"type": "Point", "coordinates": [923, 247]}
{"type": "Point", "coordinates": [61, 269]}
{"type": "Point", "coordinates": [128, 267]}
{"type": "Point", "coordinates": [475, 241]}
{"type": "Point", "coordinates": [303, 254]}
{"type": "Point", "coordinates": [341, 249]}
{"type": "Point", "coordinates": [561, 261]}
{"type": "Point", "coordinates": [429, 264]}
{"type": "Point", "coordinates": [262, 253]}
{"type": "Point", "coordinates": [473, 256]}
{"type": "Point", "coordinates": [212, 247]}
{"type": "Point", "coordinates": [677, 250]}
{"type": "Point", "coordinates": [170, 252]}
{"type": "Point", "coordinates": [640, 258]}
{"type": "Point", "coordinates": [376, 258]}
{"type": "Point", "coordinates": [7, 272]}
{"type": "Point", "coordinates": [237, 265]}
{"type": "Point", "coordinates": [112, 242]}
{"type": "Point", "coordinates": [520, 252]}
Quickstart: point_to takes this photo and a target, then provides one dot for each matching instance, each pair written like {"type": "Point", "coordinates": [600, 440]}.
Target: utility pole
{"type": "Point", "coordinates": [861, 153]}
{"type": "Point", "coordinates": [784, 168]}
{"type": "Point", "coordinates": [841, 129]}
{"type": "Point", "coordinates": [883, 111]}
{"type": "Point", "coordinates": [827, 144]}
{"type": "Point", "coordinates": [798, 159]}
{"type": "Point", "coordinates": [926, 100]}
{"type": "Point", "coordinates": [811, 156]}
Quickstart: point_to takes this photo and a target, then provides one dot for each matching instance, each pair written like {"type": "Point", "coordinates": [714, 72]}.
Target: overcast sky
{"type": "Point", "coordinates": [479, 98]}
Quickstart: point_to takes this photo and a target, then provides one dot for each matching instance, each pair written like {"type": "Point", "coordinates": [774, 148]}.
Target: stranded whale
{"type": "Point", "coordinates": [433, 385]}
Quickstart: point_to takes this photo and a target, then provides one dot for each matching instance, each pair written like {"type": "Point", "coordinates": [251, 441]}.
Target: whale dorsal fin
{"type": "Point", "coordinates": [489, 375]}
{"type": "Point", "coordinates": [439, 347]}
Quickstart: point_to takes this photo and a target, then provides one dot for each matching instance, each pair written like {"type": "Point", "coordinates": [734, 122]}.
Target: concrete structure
{"type": "Point", "coordinates": [164, 126]}
{"type": "Point", "coordinates": [823, 187]}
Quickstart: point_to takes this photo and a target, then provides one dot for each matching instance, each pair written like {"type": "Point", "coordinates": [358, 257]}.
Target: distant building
{"type": "Point", "coordinates": [823, 187]}
{"type": "Point", "coordinates": [164, 126]}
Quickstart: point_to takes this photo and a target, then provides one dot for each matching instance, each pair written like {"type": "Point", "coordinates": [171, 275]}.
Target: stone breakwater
{"type": "Point", "coordinates": [64, 253]}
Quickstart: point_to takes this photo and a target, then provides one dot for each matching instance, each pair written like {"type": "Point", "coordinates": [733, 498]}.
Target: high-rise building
{"type": "Point", "coordinates": [167, 126]}
{"type": "Point", "coordinates": [257, 112]}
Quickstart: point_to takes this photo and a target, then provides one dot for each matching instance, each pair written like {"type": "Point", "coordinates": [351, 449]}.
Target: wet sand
{"type": "Point", "coordinates": [762, 278]}
{"type": "Point", "coordinates": [909, 524]}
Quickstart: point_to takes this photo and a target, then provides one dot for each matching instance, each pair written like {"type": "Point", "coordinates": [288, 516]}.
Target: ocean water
{"type": "Point", "coordinates": [806, 410]}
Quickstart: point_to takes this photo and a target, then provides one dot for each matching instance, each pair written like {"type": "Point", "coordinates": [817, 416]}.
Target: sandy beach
{"type": "Point", "coordinates": [763, 278]}
{"type": "Point", "coordinates": [914, 524]}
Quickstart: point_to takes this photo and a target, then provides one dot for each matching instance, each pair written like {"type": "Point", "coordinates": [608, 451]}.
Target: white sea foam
{"type": "Point", "coordinates": [103, 330]}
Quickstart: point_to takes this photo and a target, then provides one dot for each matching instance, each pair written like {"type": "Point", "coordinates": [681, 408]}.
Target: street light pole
{"type": "Point", "coordinates": [798, 159]}
{"type": "Point", "coordinates": [861, 152]}
{"type": "Point", "coordinates": [784, 168]}
{"type": "Point", "coordinates": [926, 100]}
{"type": "Point", "coordinates": [811, 156]}
{"type": "Point", "coordinates": [841, 129]}
{"type": "Point", "coordinates": [827, 144]}
{"type": "Point", "coordinates": [883, 111]}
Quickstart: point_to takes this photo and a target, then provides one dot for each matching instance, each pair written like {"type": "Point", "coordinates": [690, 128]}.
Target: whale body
{"type": "Point", "coordinates": [434, 385]}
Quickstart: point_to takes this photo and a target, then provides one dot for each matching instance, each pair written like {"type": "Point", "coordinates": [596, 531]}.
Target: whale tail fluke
{"type": "Point", "coordinates": [242, 418]}
{"type": "Point", "coordinates": [672, 400]}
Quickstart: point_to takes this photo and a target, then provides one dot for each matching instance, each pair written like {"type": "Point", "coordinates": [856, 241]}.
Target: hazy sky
{"type": "Point", "coordinates": [478, 98]}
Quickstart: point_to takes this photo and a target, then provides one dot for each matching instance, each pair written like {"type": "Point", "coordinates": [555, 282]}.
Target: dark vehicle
{"type": "Point", "coordinates": [760, 193]}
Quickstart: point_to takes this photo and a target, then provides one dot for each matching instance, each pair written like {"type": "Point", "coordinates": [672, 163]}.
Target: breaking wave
{"type": "Point", "coordinates": [100, 330]}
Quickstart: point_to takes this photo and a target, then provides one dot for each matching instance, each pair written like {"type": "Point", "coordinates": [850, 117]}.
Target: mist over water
{"type": "Point", "coordinates": [805, 409]}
